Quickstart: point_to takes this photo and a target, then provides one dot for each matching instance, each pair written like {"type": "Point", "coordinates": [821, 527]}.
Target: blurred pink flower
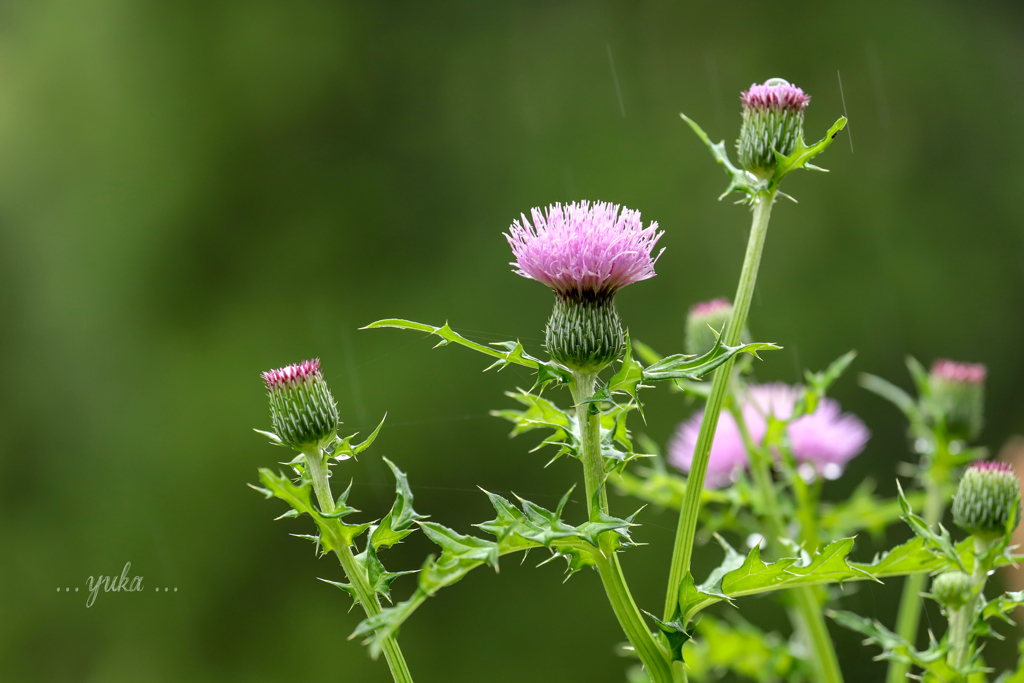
{"type": "Point", "coordinates": [826, 439]}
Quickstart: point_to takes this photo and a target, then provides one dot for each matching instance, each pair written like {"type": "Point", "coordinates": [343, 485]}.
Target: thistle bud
{"type": "Point", "coordinates": [705, 317]}
{"type": "Point", "coordinates": [301, 406]}
{"type": "Point", "coordinates": [952, 589]}
{"type": "Point", "coordinates": [958, 390]}
{"type": "Point", "coordinates": [773, 120]}
{"type": "Point", "coordinates": [585, 253]}
{"type": "Point", "coordinates": [987, 502]}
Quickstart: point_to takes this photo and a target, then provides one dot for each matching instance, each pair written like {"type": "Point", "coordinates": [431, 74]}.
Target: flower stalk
{"type": "Point", "coordinates": [807, 615]}
{"type": "Point", "coordinates": [961, 620]}
{"type": "Point", "coordinates": [356, 574]}
{"type": "Point", "coordinates": [682, 551]}
{"type": "Point", "coordinates": [632, 622]}
{"type": "Point", "coordinates": [909, 615]}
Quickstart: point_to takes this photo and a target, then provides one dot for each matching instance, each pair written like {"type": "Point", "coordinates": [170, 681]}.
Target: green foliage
{"type": "Point", "coordinates": [540, 413]}
{"type": "Point", "coordinates": [718, 647]}
{"type": "Point", "coordinates": [863, 510]}
{"type": "Point", "coordinates": [742, 181]}
{"type": "Point", "coordinates": [895, 648]}
{"type": "Point", "coordinates": [513, 353]}
{"type": "Point", "coordinates": [515, 529]}
{"type": "Point", "coordinates": [740, 576]}
{"type": "Point", "coordinates": [335, 534]}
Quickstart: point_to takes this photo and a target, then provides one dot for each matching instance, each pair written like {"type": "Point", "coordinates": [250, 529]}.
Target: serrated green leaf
{"type": "Point", "coordinates": [333, 532]}
{"type": "Point", "coordinates": [894, 647]}
{"type": "Point", "coordinates": [681, 366]}
{"type": "Point", "coordinates": [675, 635]}
{"type": "Point", "coordinates": [515, 530]}
{"type": "Point", "coordinates": [940, 542]}
{"type": "Point", "coordinates": [738, 576]}
{"type": "Point", "coordinates": [343, 449]}
{"type": "Point", "coordinates": [513, 353]}
{"type": "Point", "coordinates": [739, 180]}
{"type": "Point", "coordinates": [784, 165]}
{"type": "Point", "coordinates": [397, 524]}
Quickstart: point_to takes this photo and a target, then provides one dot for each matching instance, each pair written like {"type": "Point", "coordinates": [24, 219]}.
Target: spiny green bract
{"type": "Point", "coordinates": [584, 332]}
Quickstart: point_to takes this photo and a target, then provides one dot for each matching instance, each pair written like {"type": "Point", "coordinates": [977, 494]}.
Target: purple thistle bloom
{"type": "Point", "coordinates": [967, 373]}
{"type": "Point", "coordinates": [826, 439]}
{"type": "Point", "coordinates": [775, 94]}
{"type": "Point", "coordinates": [292, 374]}
{"type": "Point", "coordinates": [584, 248]}
{"type": "Point", "coordinates": [710, 307]}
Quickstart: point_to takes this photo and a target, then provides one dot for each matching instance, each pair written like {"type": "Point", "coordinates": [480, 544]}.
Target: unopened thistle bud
{"type": "Point", "coordinates": [952, 589]}
{"type": "Point", "coordinates": [301, 406]}
{"type": "Point", "coordinates": [958, 390]}
{"type": "Point", "coordinates": [704, 320]}
{"type": "Point", "coordinates": [773, 120]}
{"type": "Point", "coordinates": [585, 253]}
{"type": "Point", "coordinates": [987, 502]}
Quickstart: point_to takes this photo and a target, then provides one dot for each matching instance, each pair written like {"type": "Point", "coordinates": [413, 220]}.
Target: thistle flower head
{"type": "Point", "coordinates": [987, 501]}
{"type": "Point", "coordinates": [958, 390]}
{"type": "Point", "coordinates": [773, 119]}
{"type": "Point", "coordinates": [703, 318]}
{"type": "Point", "coordinates": [952, 589]}
{"type": "Point", "coordinates": [584, 248]}
{"type": "Point", "coordinates": [585, 253]}
{"type": "Point", "coordinates": [825, 440]}
{"type": "Point", "coordinates": [301, 406]}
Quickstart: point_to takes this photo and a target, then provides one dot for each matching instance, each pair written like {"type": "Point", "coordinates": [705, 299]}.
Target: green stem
{"type": "Point", "coordinates": [962, 620]}
{"type": "Point", "coordinates": [909, 615]}
{"type": "Point", "coordinates": [625, 609]}
{"type": "Point", "coordinates": [682, 551]}
{"type": "Point", "coordinates": [355, 572]}
{"type": "Point", "coordinates": [807, 616]}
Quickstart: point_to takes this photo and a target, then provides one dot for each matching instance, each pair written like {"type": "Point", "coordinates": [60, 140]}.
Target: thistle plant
{"type": "Point", "coordinates": [756, 458]}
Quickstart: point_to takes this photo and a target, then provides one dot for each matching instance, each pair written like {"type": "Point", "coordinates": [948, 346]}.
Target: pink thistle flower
{"type": "Point", "coordinates": [775, 94]}
{"type": "Point", "coordinates": [968, 373]}
{"type": "Point", "coordinates": [707, 308]}
{"type": "Point", "coordinates": [584, 248]}
{"type": "Point", "coordinates": [958, 393]}
{"type": "Point", "coordinates": [826, 439]}
{"type": "Point", "coordinates": [291, 374]}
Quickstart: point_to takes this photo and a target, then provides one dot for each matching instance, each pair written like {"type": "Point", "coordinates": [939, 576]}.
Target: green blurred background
{"type": "Point", "coordinates": [193, 192]}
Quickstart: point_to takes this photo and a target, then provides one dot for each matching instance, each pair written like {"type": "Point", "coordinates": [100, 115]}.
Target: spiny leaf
{"type": "Point", "coordinates": [784, 165]}
{"type": "Point", "coordinates": [940, 542]}
{"type": "Point", "coordinates": [344, 448]}
{"type": "Point", "coordinates": [513, 354]}
{"type": "Point", "coordinates": [515, 530]}
{"type": "Point", "coordinates": [738, 576]}
{"type": "Point", "coordinates": [680, 366]}
{"type": "Point", "coordinates": [397, 524]}
{"type": "Point", "coordinates": [333, 532]}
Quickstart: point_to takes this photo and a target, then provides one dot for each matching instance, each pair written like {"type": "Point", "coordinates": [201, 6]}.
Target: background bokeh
{"type": "Point", "coordinates": [193, 192]}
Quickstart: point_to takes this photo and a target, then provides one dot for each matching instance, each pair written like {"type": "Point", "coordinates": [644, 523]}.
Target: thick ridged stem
{"type": "Point", "coordinates": [683, 548]}
{"type": "Point", "coordinates": [961, 621]}
{"type": "Point", "coordinates": [623, 605]}
{"type": "Point", "coordinates": [355, 573]}
{"type": "Point", "coordinates": [806, 616]}
{"type": "Point", "coordinates": [909, 615]}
